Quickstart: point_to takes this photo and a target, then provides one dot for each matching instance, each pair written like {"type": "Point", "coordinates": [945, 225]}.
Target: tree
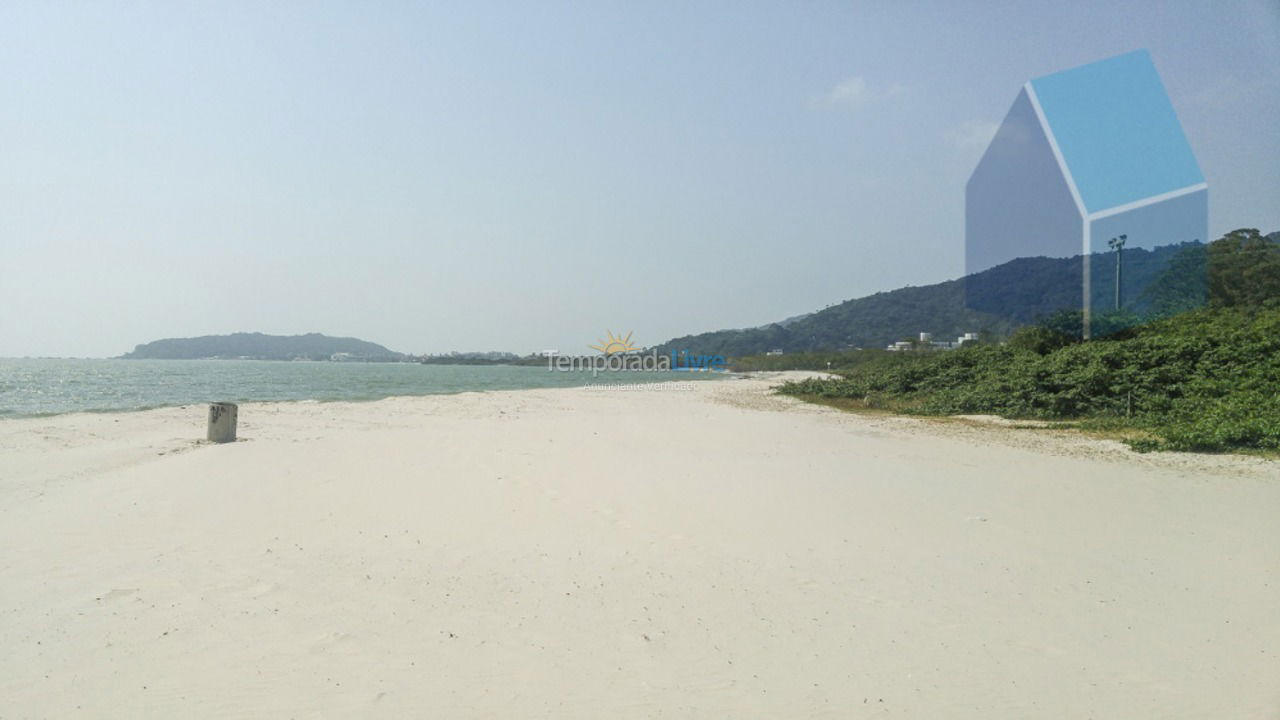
{"type": "Point", "coordinates": [1244, 270]}
{"type": "Point", "coordinates": [1181, 286]}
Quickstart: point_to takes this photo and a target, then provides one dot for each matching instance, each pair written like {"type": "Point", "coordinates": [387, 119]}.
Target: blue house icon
{"type": "Point", "coordinates": [1083, 156]}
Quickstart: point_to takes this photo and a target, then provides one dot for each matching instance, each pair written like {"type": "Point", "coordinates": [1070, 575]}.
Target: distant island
{"type": "Point", "coordinates": [257, 346]}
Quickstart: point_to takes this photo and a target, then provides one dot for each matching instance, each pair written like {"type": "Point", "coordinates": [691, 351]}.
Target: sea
{"type": "Point", "coordinates": [38, 387]}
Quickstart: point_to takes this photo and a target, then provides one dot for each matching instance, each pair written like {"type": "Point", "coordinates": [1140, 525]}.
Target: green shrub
{"type": "Point", "coordinates": [1207, 380]}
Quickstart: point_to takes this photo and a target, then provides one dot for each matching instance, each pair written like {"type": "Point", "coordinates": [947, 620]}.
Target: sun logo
{"type": "Point", "coordinates": [614, 345]}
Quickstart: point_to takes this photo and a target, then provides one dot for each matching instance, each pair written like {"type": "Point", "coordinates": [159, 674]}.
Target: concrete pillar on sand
{"type": "Point", "coordinates": [222, 422]}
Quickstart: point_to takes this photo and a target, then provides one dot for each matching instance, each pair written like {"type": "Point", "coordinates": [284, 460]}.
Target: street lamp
{"type": "Point", "coordinates": [1117, 244]}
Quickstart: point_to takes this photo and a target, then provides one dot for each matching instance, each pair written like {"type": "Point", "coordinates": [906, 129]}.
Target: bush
{"type": "Point", "coordinates": [1207, 380]}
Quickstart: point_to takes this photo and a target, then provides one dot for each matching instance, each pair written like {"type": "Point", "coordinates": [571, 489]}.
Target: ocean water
{"type": "Point", "coordinates": [52, 386]}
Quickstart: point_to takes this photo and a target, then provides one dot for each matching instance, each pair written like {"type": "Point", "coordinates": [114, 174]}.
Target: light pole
{"type": "Point", "coordinates": [1117, 244]}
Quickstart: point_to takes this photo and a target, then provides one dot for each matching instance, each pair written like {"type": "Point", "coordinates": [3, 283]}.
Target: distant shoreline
{"type": "Point", "coordinates": [50, 387]}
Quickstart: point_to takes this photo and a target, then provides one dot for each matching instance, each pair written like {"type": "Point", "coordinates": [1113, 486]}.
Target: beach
{"type": "Point", "coordinates": [685, 550]}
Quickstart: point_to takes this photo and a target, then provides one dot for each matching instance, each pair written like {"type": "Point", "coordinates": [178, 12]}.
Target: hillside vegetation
{"type": "Point", "coordinates": [1203, 380]}
{"type": "Point", "coordinates": [993, 302]}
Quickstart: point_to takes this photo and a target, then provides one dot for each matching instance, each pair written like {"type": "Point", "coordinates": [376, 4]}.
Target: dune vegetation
{"type": "Point", "coordinates": [1201, 380]}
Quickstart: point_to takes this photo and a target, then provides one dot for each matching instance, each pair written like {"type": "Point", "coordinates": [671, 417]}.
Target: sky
{"type": "Point", "coordinates": [526, 176]}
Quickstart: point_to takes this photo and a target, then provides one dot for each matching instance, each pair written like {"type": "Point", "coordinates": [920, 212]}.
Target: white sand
{"type": "Point", "coordinates": [711, 552]}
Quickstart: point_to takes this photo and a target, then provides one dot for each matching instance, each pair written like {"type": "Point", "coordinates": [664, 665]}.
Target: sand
{"type": "Point", "coordinates": [699, 550]}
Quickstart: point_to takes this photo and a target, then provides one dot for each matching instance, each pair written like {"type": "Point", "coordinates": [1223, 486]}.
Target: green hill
{"type": "Point", "coordinates": [1016, 293]}
{"type": "Point", "coordinates": [257, 346]}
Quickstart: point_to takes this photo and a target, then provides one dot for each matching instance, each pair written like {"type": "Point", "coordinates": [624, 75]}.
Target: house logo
{"type": "Point", "coordinates": [1086, 160]}
{"type": "Point", "coordinates": [612, 345]}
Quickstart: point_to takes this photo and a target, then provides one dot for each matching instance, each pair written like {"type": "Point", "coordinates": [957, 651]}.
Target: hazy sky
{"type": "Point", "coordinates": [520, 176]}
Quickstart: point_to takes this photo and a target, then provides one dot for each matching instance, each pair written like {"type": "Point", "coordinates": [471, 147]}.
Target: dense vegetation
{"type": "Point", "coordinates": [257, 346]}
{"type": "Point", "coordinates": [469, 358]}
{"type": "Point", "coordinates": [833, 360]}
{"type": "Point", "coordinates": [480, 358]}
{"type": "Point", "coordinates": [1203, 380]}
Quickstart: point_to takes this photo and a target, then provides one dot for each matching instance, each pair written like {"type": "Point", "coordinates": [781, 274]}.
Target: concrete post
{"type": "Point", "coordinates": [222, 422]}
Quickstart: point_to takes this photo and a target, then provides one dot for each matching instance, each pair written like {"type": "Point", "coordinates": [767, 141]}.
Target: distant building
{"type": "Point", "coordinates": [1083, 156]}
{"type": "Point", "coordinates": [775, 351]}
{"type": "Point", "coordinates": [926, 342]}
